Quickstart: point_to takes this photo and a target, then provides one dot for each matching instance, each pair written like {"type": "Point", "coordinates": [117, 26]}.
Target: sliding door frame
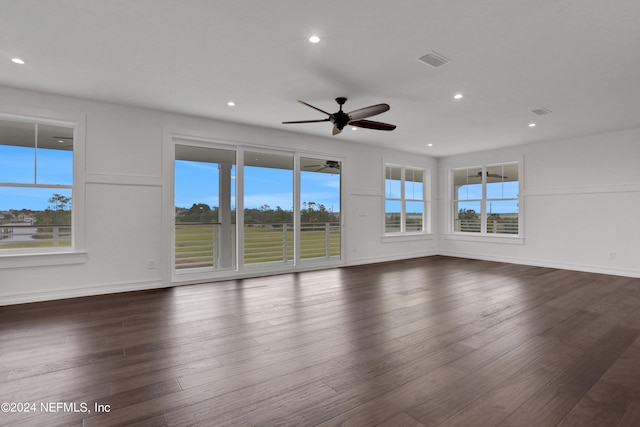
{"type": "Point", "coordinates": [241, 270]}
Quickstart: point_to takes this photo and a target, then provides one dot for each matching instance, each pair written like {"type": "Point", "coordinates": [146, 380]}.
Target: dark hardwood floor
{"type": "Point", "coordinates": [423, 342]}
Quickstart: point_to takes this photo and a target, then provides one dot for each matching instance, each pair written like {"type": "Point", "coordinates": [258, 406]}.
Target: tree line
{"type": "Point", "coordinates": [58, 213]}
{"type": "Point", "coordinates": [203, 213]}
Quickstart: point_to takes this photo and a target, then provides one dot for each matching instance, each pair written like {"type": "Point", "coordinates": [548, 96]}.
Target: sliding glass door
{"type": "Point", "coordinates": [204, 201]}
{"type": "Point", "coordinates": [319, 209]}
{"type": "Point", "coordinates": [268, 209]}
{"type": "Point", "coordinates": [288, 210]}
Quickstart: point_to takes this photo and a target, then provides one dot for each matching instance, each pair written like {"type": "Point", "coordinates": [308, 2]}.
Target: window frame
{"type": "Point", "coordinates": [426, 200]}
{"type": "Point", "coordinates": [61, 255]}
{"type": "Point", "coordinates": [484, 235]}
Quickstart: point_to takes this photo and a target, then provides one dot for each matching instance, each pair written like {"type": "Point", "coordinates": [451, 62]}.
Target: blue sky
{"type": "Point", "coordinates": [197, 182]}
{"type": "Point", "coordinates": [18, 165]}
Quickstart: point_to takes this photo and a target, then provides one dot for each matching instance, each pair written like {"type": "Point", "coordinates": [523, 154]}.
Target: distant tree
{"type": "Point", "coordinates": [59, 213]}
{"type": "Point", "coordinates": [198, 212]}
{"type": "Point", "coordinates": [467, 214]}
{"type": "Point", "coordinates": [316, 212]}
{"type": "Point", "coordinates": [59, 202]}
{"type": "Point", "coordinates": [310, 212]}
{"type": "Point", "coordinates": [8, 216]}
{"type": "Point", "coordinates": [282, 216]}
{"type": "Point", "coordinates": [264, 213]}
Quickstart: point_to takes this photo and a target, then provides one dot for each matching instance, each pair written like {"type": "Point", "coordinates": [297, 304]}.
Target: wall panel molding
{"type": "Point", "coordinates": [586, 189]}
{"type": "Point", "coordinates": [116, 179]}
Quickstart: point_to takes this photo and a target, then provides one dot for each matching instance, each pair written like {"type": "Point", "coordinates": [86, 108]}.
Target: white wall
{"type": "Point", "coordinates": [581, 199]}
{"type": "Point", "coordinates": [121, 195]}
{"type": "Point", "coordinates": [581, 204]}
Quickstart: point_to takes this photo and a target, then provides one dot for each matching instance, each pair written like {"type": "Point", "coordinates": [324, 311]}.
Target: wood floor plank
{"type": "Point", "coordinates": [441, 404]}
{"type": "Point", "coordinates": [396, 401]}
{"type": "Point", "coordinates": [367, 385]}
{"type": "Point", "coordinates": [401, 420]}
{"type": "Point", "coordinates": [603, 405]}
{"type": "Point", "coordinates": [417, 342]}
{"type": "Point", "coordinates": [631, 417]}
{"type": "Point", "coordinates": [553, 402]}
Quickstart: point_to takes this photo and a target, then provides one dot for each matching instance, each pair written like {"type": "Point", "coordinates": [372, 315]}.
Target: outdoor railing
{"type": "Point", "coordinates": [198, 245]}
{"type": "Point", "coordinates": [319, 240]}
{"type": "Point", "coordinates": [467, 225]}
{"type": "Point", "coordinates": [503, 226]}
{"type": "Point", "coordinates": [17, 236]}
{"type": "Point", "coordinates": [494, 226]}
{"type": "Point", "coordinates": [269, 242]}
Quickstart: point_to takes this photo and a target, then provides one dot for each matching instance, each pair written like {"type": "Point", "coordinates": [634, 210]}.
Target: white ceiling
{"type": "Point", "coordinates": [578, 58]}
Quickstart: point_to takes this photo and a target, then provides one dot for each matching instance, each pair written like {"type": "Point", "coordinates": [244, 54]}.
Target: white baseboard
{"type": "Point", "coordinates": [109, 288]}
{"type": "Point", "coordinates": [546, 263]}
{"type": "Point", "coordinates": [103, 289]}
{"type": "Point", "coordinates": [387, 258]}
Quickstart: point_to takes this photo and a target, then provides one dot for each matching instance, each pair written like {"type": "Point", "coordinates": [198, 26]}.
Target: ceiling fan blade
{"type": "Point", "coordinates": [306, 121]}
{"type": "Point", "coordinates": [315, 108]}
{"type": "Point", "coordinates": [336, 130]}
{"type": "Point", "coordinates": [369, 111]}
{"type": "Point", "coordinates": [370, 124]}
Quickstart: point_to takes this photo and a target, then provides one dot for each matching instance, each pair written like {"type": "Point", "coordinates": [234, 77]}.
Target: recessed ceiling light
{"type": "Point", "coordinates": [231, 104]}
{"type": "Point", "coordinates": [314, 39]}
{"type": "Point", "coordinates": [354, 128]}
{"type": "Point", "coordinates": [17, 61]}
{"type": "Point", "coordinates": [429, 145]}
{"type": "Point", "coordinates": [532, 125]}
{"type": "Point", "coordinates": [457, 96]}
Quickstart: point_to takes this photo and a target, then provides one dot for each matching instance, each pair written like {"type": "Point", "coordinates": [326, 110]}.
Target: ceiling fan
{"type": "Point", "coordinates": [329, 164]}
{"type": "Point", "coordinates": [355, 118]}
{"type": "Point", "coordinates": [492, 175]}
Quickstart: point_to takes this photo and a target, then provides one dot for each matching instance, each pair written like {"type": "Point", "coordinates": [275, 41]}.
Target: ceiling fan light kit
{"type": "Point", "coordinates": [355, 118]}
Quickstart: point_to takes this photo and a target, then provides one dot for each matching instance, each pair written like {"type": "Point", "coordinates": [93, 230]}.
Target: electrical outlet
{"type": "Point", "coordinates": [151, 264]}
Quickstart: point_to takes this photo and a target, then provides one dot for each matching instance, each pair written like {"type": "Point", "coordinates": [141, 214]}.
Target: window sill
{"type": "Point", "coordinates": [405, 237]}
{"type": "Point", "coordinates": [42, 259]}
{"type": "Point", "coordinates": [485, 238]}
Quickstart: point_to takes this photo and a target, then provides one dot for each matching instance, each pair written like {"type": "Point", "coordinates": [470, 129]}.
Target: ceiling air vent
{"type": "Point", "coordinates": [541, 111]}
{"type": "Point", "coordinates": [434, 60]}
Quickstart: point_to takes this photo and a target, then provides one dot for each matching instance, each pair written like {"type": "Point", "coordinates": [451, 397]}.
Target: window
{"type": "Point", "coordinates": [405, 205]}
{"type": "Point", "coordinates": [36, 183]}
{"type": "Point", "coordinates": [486, 199]}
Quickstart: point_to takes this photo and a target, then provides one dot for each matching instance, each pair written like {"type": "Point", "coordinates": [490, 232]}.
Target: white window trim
{"type": "Point", "coordinates": [484, 237]}
{"type": "Point", "coordinates": [426, 199]}
{"type": "Point", "coordinates": [76, 253]}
